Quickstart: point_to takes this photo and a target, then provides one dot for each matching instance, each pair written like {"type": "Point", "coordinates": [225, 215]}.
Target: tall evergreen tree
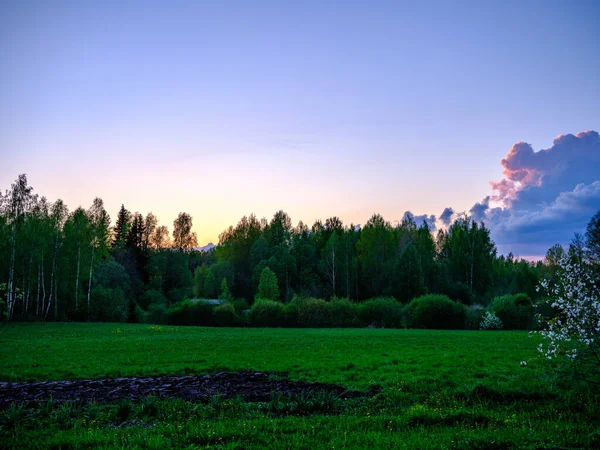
{"type": "Point", "coordinates": [122, 227]}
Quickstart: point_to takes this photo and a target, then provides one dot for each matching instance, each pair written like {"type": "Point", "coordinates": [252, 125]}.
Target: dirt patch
{"type": "Point", "coordinates": [251, 386]}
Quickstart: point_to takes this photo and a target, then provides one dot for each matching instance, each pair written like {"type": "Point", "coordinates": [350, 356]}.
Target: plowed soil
{"type": "Point", "coordinates": [251, 386]}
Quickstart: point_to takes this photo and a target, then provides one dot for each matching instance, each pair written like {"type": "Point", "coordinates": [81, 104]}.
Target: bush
{"type": "Point", "coordinates": [515, 311]}
{"type": "Point", "coordinates": [190, 312]}
{"type": "Point", "coordinates": [240, 304]}
{"type": "Point", "coordinates": [152, 297]}
{"type": "Point", "coordinates": [156, 314]}
{"type": "Point", "coordinates": [266, 313]}
{"type": "Point", "coordinates": [313, 313]}
{"type": "Point", "coordinates": [382, 312]}
{"type": "Point", "coordinates": [473, 317]}
{"type": "Point", "coordinates": [490, 321]}
{"type": "Point", "coordinates": [290, 313]}
{"type": "Point", "coordinates": [437, 311]}
{"type": "Point", "coordinates": [343, 313]}
{"type": "Point", "coordinates": [108, 305]}
{"type": "Point", "coordinates": [225, 315]}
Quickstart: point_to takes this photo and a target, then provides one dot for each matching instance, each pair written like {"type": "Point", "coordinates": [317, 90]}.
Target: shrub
{"type": "Point", "coordinates": [490, 321]}
{"type": "Point", "coordinates": [473, 317]}
{"type": "Point", "coordinates": [108, 305]}
{"type": "Point", "coordinates": [382, 312]}
{"type": "Point", "coordinates": [157, 314]}
{"type": "Point", "coordinates": [290, 313]}
{"type": "Point", "coordinates": [515, 311]}
{"type": "Point", "coordinates": [313, 313]}
{"type": "Point", "coordinates": [240, 304]}
{"type": "Point", "coordinates": [225, 315]}
{"type": "Point", "coordinates": [437, 311]}
{"type": "Point", "coordinates": [190, 312]}
{"type": "Point", "coordinates": [152, 297]}
{"type": "Point", "coordinates": [343, 313]}
{"type": "Point", "coordinates": [266, 313]}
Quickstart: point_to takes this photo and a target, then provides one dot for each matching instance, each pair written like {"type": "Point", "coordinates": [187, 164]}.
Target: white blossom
{"type": "Point", "coordinates": [575, 328]}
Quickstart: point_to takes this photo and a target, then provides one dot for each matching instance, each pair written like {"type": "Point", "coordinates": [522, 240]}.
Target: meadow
{"type": "Point", "coordinates": [428, 389]}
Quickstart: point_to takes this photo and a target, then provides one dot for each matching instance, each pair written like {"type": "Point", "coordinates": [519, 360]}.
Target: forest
{"type": "Point", "coordinates": [62, 265]}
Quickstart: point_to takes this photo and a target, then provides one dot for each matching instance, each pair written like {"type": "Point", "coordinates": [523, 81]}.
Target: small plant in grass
{"type": "Point", "coordinates": [148, 407]}
{"type": "Point", "coordinates": [124, 410]}
{"type": "Point", "coordinates": [490, 321]}
{"type": "Point", "coordinates": [46, 409]}
{"type": "Point", "coordinates": [13, 417]}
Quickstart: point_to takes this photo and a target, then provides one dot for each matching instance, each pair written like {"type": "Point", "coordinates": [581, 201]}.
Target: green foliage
{"type": "Point", "coordinates": [343, 313]}
{"type": "Point", "coordinates": [108, 305]}
{"type": "Point", "coordinates": [157, 314]}
{"type": "Point", "coordinates": [515, 311]}
{"type": "Point", "coordinates": [204, 282]}
{"type": "Point", "coordinates": [474, 313]}
{"type": "Point", "coordinates": [490, 321]}
{"type": "Point", "coordinates": [190, 312]}
{"type": "Point", "coordinates": [409, 282]}
{"type": "Point", "coordinates": [266, 313]}
{"type": "Point", "coordinates": [382, 312]}
{"type": "Point", "coordinates": [225, 292]}
{"type": "Point", "coordinates": [313, 313]}
{"type": "Point", "coordinates": [152, 297]}
{"type": "Point", "coordinates": [267, 286]}
{"type": "Point", "coordinates": [435, 311]}
{"type": "Point", "coordinates": [240, 304]}
{"type": "Point", "coordinates": [225, 316]}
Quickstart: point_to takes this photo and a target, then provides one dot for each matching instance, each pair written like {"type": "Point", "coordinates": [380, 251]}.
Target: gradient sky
{"type": "Point", "coordinates": [222, 109]}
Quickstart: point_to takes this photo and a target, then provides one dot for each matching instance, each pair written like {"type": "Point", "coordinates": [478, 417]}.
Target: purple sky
{"type": "Point", "coordinates": [222, 109]}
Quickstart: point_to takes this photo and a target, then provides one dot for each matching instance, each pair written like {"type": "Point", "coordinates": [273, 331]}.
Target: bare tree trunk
{"type": "Point", "coordinates": [90, 284]}
{"type": "Point", "coordinates": [77, 278]}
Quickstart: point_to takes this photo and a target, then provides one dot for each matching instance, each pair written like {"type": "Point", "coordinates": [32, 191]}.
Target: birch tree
{"type": "Point", "coordinates": [19, 201]}
{"type": "Point", "coordinates": [100, 239]}
{"type": "Point", "coordinates": [58, 215]}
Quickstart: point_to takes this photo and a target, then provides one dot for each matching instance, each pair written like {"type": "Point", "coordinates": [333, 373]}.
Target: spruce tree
{"type": "Point", "coordinates": [122, 227]}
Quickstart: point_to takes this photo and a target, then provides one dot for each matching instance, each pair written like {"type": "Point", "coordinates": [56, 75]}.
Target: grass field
{"type": "Point", "coordinates": [438, 389]}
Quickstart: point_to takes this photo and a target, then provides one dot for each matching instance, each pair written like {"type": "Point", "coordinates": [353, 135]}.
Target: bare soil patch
{"type": "Point", "coordinates": [251, 386]}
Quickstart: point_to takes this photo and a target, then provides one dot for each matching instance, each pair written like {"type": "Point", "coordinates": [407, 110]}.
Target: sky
{"type": "Point", "coordinates": [224, 108]}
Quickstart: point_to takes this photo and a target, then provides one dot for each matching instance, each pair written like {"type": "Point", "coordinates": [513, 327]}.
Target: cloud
{"type": "Point", "coordinates": [534, 178]}
{"type": "Point", "coordinates": [478, 211]}
{"type": "Point", "coordinates": [544, 197]}
{"type": "Point", "coordinates": [430, 220]}
{"type": "Point", "coordinates": [446, 216]}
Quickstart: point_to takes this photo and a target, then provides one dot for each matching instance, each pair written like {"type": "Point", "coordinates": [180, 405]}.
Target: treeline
{"type": "Point", "coordinates": [75, 265]}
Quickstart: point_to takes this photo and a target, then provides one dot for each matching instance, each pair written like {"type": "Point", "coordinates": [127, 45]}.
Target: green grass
{"type": "Point", "coordinates": [439, 389]}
